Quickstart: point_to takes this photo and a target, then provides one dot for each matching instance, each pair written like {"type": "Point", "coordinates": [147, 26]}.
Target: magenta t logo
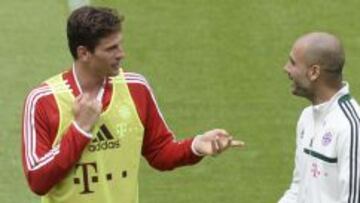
{"type": "Point", "coordinates": [314, 170]}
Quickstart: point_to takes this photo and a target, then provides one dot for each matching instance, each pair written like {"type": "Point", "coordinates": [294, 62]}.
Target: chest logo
{"type": "Point", "coordinates": [124, 112]}
{"type": "Point", "coordinates": [103, 140]}
{"type": "Point", "coordinates": [326, 139]}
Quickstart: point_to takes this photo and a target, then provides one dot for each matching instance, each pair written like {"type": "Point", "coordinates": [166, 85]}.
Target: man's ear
{"type": "Point", "coordinates": [83, 53]}
{"type": "Point", "coordinates": [314, 72]}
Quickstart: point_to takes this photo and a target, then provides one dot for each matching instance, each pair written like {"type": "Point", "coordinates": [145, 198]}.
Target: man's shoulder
{"type": "Point", "coordinates": [344, 114]}
{"type": "Point", "coordinates": [346, 107]}
{"type": "Point", "coordinates": [41, 90]}
{"type": "Point", "coordinates": [136, 80]}
{"type": "Point", "coordinates": [307, 111]}
{"type": "Point", "coordinates": [42, 94]}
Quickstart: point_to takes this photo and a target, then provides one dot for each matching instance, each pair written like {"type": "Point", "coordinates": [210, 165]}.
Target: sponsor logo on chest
{"type": "Point", "coordinates": [103, 140]}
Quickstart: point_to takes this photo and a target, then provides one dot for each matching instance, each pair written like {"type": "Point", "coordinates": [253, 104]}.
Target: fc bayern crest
{"type": "Point", "coordinates": [327, 138]}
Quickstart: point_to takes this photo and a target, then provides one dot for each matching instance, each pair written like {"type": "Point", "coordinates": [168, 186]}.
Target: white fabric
{"type": "Point", "coordinates": [74, 4]}
{"type": "Point", "coordinates": [333, 129]}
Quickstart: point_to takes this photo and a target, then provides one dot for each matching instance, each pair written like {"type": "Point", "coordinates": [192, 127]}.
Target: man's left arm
{"type": "Point", "coordinates": [160, 147]}
{"type": "Point", "coordinates": [348, 162]}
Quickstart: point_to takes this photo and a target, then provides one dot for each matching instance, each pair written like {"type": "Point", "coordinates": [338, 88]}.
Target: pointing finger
{"type": "Point", "coordinates": [237, 143]}
{"type": "Point", "coordinates": [213, 148]}
{"type": "Point", "coordinates": [221, 147]}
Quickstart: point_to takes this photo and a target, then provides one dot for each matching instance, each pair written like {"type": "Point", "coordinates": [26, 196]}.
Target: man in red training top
{"type": "Point", "coordinates": [85, 129]}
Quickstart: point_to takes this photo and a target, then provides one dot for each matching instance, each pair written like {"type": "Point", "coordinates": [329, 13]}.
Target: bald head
{"type": "Point", "coordinates": [323, 49]}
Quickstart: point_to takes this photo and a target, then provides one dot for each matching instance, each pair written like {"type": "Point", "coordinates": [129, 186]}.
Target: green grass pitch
{"type": "Point", "coordinates": [211, 64]}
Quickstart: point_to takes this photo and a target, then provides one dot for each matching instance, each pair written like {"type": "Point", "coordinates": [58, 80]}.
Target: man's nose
{"type": "Point", "coordinates": [120, 54]}
{"type": "Point", "coordinates": [285, 68]}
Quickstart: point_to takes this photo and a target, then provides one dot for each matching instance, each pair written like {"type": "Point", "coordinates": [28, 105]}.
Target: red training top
{"type": "Point", "coordinates": [45, 166]}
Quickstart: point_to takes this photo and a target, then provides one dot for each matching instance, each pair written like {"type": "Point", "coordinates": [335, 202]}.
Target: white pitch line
{"type": "Point", "coordinates": [74, 4]}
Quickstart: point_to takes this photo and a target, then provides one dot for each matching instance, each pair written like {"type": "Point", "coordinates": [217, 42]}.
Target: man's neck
{"type": "Point", "coordinates": [87, 81]}
{"type": "Point", "coordinates": [325, 93]}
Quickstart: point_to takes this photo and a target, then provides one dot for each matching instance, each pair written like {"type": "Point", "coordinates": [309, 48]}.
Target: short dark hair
{"type": "Point", "coordinates": [87, 25]}
{"type": "Point", "coordinates": [333, 60]}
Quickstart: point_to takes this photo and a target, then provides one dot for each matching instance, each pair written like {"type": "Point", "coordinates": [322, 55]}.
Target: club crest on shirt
{"type": "Point", "coordinates": [124, 112]}
{"type": "Point", "coordinates": [326, 139]}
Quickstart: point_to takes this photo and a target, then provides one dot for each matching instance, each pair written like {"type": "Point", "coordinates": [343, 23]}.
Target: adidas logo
{"type": "Point", "coordinates": [104, 140]}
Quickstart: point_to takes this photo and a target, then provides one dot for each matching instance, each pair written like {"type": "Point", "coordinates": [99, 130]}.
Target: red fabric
{"type": "Point", "coordinates": [44, 166]}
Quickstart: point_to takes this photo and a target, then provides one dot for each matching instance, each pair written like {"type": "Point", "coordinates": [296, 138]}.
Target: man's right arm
{"type": "Point", "coordinates": [291, 195]}
{"type": "Point", "coordinates": [46, 165]}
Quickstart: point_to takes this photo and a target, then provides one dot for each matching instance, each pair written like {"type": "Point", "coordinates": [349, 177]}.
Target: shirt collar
{"type": "Point", "coordinates": [324, 107]}
{"type": "Point", "coordinates": [101, 91]}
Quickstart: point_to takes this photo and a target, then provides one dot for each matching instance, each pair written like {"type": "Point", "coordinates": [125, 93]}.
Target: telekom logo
{"type": "Point", "coordinates": [89, 175]}
{"type": "Point", "coordinates": [315, 170]}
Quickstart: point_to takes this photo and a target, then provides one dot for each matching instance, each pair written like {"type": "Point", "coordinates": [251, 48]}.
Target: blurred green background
{"type": "Point", "coordinates": [211, 64]}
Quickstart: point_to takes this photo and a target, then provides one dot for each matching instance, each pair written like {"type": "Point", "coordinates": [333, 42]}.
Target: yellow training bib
{"type": "Point", "coordinates": [108, 168]}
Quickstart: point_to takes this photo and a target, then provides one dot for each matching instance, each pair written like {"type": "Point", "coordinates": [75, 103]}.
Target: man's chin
{"type": "Point", "coordinates": [114, 71]}
{"type": "Point", "coordinates": [112, 74]}
{"type": "Point", "coordinates": [295, 93]}
{"type": "Point", "coordinates": [299, 92]}
{"type": "Point", "coordinates": [295, 90]}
